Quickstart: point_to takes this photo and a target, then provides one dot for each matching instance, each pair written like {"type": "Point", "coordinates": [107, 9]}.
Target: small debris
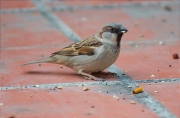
{"type": "Point", "coordinates": [84, 19]}
{"type": "Point", "coordinates": [137, 90]}
{"type": "Point", "coordinates": [162, 81]}
{"type": "Point", "coordinates": [75, 84]}
{"type": "Point", "coordinates": [61, 67]}
{"type": "Point", "coordinates": [99, 91]}
{"type": "Point", "coordinates": [31, 96]}
{"type": "Point", "coordinates": [115, 97]}
{"type": "Point", "coordinates": [1, 104]}
{"type": "Point", "coordinates": [149, 83]}
{"type": "Point", "coordinates": [18, 86]}
{"type": "Point", "coordinates": [92, 106]}
{"type": "Point", "coordinates": [37, 86]}
{"type": "Point", "coordinates": [129, 86]}
{"type": "Point", "coordinates": [58, 87]}
{"type": "Point", "coordinates": [168, 8]}
{"type": "Point", "coordinates": [123, 98]}
{"type": "Point", "coordinates": [152, 76]}
{"type": "Point", "coordinates": [126, 71]}
{"type": "Point", "coordinates": [132, 102]}
{"type": "Point", "coordinates": [39, 64]}
{"type": "Point", "coordinates": [163, 20]}
{"type": "Point", "coordinates": [155, 91]}
{"type": "Point", "coordinates": [85, 88]}
{"type": "Point", "coordinates": [136, 23]}
{"type": "Point", "coordinates": [175, 56]}
{"type": "Point", "coordinates": [158, 70]}
{"type": "Point", "coordinates": [161, 43]}
{"type": "Point", "coordinates": [169, 65]}
{"type": "Point", "coordinates": [136, 46]}
{"type": "Point", "coordinates": [141, 35]}
{"type": "Point", "coordinates": [11, 116]}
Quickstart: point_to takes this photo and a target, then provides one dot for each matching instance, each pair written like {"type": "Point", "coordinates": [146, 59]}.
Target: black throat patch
{"type": "Point", "coordinates": [119, 39]}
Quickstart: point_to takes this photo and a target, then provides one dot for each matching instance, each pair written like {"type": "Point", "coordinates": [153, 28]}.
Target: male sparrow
{"type": "Point", "coordinates": [92, 54]}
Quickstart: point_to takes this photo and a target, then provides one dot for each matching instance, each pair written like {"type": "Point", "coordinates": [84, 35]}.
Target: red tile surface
{"type": "Point", "coordinates": [140, 63]}
{"type": "Point", "coordinates": [16, 4]}
{"type": "Point", "coordinates": [141, 26]}
{"type": "Point", "coordinates": [69, 102]}
{"type": "Point", "coordinates": [168, 95]}
{"type": "Point", "coordinates": [29, 29]}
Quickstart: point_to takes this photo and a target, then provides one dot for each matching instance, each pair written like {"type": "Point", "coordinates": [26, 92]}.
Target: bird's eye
{"type": "Point", "coordinates": [112, 29]}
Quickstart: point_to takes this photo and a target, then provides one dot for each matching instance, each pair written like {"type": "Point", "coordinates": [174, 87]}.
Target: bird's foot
{"type": "Point", "coordinates": [94, 78]}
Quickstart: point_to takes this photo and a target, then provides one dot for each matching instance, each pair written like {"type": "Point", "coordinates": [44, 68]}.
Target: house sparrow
{"type": "Point", "coordinates": [92, 54]}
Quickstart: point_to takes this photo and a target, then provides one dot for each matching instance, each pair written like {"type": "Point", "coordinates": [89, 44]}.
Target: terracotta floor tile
{"type": "Point", "coordinates": [29, 29]}
{"type": "Point", "coordinates": [16, 4]}
{"type": "Point", "coordinates": [167, 94]}
{"type": "Point", "coordinates": [140, 63]}
{"type": "Point", "coordinates": [70, 102]}
{"type": "Point", "coordinates": [141, 26]}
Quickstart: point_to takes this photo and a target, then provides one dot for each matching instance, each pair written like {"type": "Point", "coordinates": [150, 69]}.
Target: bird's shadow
{"type": "Point", "coordinates": [49, 73]}
{"type": "Point", "coordinates": [57, 73]}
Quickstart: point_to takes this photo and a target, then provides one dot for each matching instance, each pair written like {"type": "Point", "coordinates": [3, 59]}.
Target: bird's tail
{"type": "Point", "coordinates": [45, 60]}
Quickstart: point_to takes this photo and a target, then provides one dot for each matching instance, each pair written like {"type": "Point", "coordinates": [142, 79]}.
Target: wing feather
{"type": "Point", "coordinates": [84, 47]}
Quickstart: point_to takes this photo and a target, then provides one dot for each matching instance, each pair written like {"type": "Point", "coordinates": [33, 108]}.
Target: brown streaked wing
{"type": "Point", "coordinates": [84, 47]}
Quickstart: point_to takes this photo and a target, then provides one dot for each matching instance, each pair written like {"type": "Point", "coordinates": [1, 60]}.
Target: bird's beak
{"type": "Point", "coordinates": [122, 30]}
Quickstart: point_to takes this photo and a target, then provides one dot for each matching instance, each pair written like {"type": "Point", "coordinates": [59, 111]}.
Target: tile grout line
{"type": "Point", "coordinates": [85, 7]}
{"type": "Point", "coordinates": [76, 84]}
{"type": "Point", "coordinates": [143, 98]}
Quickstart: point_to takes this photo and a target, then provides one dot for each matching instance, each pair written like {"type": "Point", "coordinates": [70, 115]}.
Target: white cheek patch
{"type": "Point", "coordinates": [109, 37]}
{"type": "Point", "coordinates": [123, 31]}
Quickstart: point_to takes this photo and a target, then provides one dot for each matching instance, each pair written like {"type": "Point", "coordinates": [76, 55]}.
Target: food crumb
{"type": "Point", "coordinates": [161, 43]}
{"type": "Point", "coordinates": [37, 86]}
{"type": "Point", "coordinates": [85, 88]}
{"type": "Point", "coordinates": [155, 91]}
{"type": "Point", "coordinates": [58, 87]}
{"type": "Point", "coordinates": [115, 97]}
{"type": "Point", "coordinates": [132, 102]}
{"type": "Point", "coordinates": [137, 90]}
{"type": "Point", "coordinates": [152, 76]}
{"type": "Point", "coordinates": [141, 35]}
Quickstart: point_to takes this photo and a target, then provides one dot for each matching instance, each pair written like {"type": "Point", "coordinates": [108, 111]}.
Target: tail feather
{"type": "Point", "coordinates": [45, 60]}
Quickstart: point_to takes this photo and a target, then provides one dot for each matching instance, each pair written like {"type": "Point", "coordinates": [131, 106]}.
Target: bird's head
{"type": "Point", "coordinates": [112, 33]}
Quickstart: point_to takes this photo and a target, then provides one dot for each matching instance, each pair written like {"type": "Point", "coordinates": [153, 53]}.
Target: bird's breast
{"type": "Point", "coordinates": [103, 58]}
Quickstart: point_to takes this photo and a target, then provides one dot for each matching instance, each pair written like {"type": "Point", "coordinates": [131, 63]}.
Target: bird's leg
{"type": "Point", "coordinates": [90, 77]}
{"type": "Point", "coordinates": [104, 73]}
